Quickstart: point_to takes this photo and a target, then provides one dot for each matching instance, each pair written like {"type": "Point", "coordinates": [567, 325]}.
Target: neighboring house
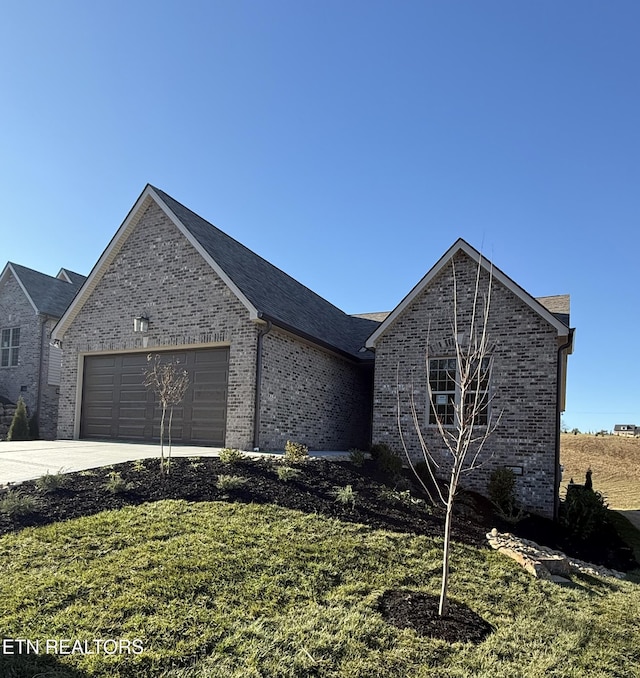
{"type": "Point", "coordinates": [269, 360]}
{"type": "Point", "coordinates": [628, 430]}
{"type": "Point", "coordinates": [531, 339]}
{"type": "Point", "coordinates": [30, 305]}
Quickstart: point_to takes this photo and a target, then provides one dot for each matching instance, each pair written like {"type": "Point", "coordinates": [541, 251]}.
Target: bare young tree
{"type": "Point", "coordinates": [465, 422]}
{"type": "Point", "coordinates": [169, 384]}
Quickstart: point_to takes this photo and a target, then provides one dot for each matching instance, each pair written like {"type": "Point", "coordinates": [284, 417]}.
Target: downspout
{"type": "Point", "coordinates": [43, 321]}
{"type": "Point", "coordinates": [561, 350]}
{"type": "Point", "coordinates": [256, 410]}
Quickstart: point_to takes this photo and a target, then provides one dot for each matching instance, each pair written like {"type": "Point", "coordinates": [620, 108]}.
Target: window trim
{"type": "Point", "coordinates": [12, 348]}
{"type": "Point", "coordinates": [451, 418]}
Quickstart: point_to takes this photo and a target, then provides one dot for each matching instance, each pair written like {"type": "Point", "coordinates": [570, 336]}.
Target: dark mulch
{"type": "Point", "coordinates": [311, 491]}
{"type": "Point", "coordinates": [419, 611]}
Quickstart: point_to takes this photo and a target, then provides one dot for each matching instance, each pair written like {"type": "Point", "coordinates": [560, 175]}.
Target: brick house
{"type": "Point", "coordinates": [269, 360]}
{"type": "Point", "coordinates": [530, 341]}
{"type": "Point", "coordinates": [30, 305]}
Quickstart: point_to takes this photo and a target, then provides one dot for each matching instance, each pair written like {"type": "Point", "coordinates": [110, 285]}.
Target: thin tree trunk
{"type": "Point", "coordinates": [444, 603]}
{"type": "Point", "coordinates": [164, 409]}
{"type": "Point", "coordinates": [169, 436]}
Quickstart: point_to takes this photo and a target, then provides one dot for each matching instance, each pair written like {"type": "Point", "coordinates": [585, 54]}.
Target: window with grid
{"type": "Point", "coordinates": [444, 382]}
{"type": "Point", "coordinates": [442, 379]}
{"type": "Point", "coordinates": [9, 346]}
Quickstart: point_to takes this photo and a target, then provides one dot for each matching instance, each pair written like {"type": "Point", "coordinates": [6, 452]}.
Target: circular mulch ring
{"type": "Point", "coordinates": [419, 611]}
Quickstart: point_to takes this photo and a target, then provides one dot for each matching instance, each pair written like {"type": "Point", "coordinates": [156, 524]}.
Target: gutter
{"type": "Point", "coordinates": [256, 409]}
{"type": "Point", "coordinates": [557, 479]}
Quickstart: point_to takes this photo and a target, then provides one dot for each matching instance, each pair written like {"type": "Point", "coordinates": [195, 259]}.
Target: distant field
{"type": "Point", "coordinates": [615, 462]}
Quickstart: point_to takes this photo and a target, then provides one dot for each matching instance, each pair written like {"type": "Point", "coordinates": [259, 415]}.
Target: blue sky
{"type": "Point", "coordinates": [348, 142]}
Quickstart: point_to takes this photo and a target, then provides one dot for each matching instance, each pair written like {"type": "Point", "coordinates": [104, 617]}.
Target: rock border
{"type": "Point", "coordinates": [543, 562]}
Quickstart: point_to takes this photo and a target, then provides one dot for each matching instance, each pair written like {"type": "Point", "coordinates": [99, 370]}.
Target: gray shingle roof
{"type": "Point", "coordinates": [559, 305]}
{"type": "Point", "coordinates": [276, 295]}
{"type": "Point", "coordinates": [50, 295]}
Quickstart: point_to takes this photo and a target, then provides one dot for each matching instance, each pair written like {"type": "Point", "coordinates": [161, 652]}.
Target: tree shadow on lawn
{"type": "Point", "coordinates": [28, 666]}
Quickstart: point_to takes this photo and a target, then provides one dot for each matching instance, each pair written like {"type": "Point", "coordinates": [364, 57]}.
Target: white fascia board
{"type": "Point", "coordinates": [253, 311]}
{"type": "Point", "coordinates": [62, 275]}
{"type": "Point", "coordinates": [462, 245]}
{"type": "Point", "coordinates": [9, 270]}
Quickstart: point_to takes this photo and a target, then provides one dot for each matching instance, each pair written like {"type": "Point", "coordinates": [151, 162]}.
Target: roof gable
{"type": "Point", "coordinates": [266, 292]}
{"type": "Point", "coordinates": [554, 319]}
{"type": "Point", "coordinates": [46, 294]}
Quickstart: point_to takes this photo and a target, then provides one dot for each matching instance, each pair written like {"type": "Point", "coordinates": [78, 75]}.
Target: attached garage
{"type": "Point", "coordinates": [117, 406]}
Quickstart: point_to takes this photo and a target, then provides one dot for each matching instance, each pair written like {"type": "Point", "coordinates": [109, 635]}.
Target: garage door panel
{"type": "Point", "coordinates": [117, 405]}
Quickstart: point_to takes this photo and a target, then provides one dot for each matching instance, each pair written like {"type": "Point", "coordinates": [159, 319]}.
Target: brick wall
{"type": "Point", "coordinates": [312, 396]}
{"type": "Point", "coordinates": [22, 380]}
{"type": "Point", "coordinates": [523, 383]}
{"type": "Point", "coordinates": [158, 273]}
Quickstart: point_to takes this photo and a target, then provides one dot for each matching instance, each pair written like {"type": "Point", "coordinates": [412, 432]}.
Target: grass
{"type": "Point", "coordinates": [240, 590]}
{"type": "Point", "coordinates": [614, 460]}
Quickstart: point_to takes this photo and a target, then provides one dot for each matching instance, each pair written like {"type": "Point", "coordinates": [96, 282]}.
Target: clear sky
{"type": "Point", "coordinates": [349, 142]}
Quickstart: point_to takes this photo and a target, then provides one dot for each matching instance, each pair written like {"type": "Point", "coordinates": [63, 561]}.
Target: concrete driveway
{"type": "Point", "coordinates": [29, 460]}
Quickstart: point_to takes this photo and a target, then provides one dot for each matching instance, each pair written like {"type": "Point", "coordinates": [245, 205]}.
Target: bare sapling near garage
{"type": "Point", "coordinates": [169, 383]}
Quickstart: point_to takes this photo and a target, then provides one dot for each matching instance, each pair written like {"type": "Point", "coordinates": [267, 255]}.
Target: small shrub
{"type": "Point", "coordinates": [139, 466]}
{"type": "Point", "coordinates": [386, 460]}
{"type": "Point", "coordinates": [230, 455]}
{"type": "Point", "coordinates": [357, 457]}
{"type": "Point", "coordinates": [17, 505]}
{"type": "Point", "coordinates": [19, 429]}
{"type": "Point", "coordinates": [345, 495]}
{"type": "Point", "coordinates": [286, 473]}
{"type": "Point", "coordinates": [117, 484]}
{"type": "Point", "coordinates": [401, 496]}
{"type": "Point", "coordinates": [226, 483]}
{"type": "Point", "coordinates": [51, 482]}
{"type": "Point", "coordinates": [294, 453]}
{"type": "Point", "coordinates": [584, 512]}
{"type": "Point", "coordinates": [502, 493]}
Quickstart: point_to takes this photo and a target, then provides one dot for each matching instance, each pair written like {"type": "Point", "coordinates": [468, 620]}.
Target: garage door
{"type": "Point", "coordinates": [117, 406]}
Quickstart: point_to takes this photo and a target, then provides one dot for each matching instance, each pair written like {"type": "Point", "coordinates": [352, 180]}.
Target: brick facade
{"type": "Point", "coordinates": [312, 396]}
{"type": "Point", "coordinates": [158, 273]}
{"type": "Point", "coordinates": [29, 378]}
{"type": "Point", "coordinates": [523, 382]}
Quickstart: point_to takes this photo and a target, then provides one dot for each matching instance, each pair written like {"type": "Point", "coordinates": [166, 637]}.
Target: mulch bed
{"type": "Point", "coordinates": [312, 491]}
{"type": "Point", "coordinates": [419, 611]}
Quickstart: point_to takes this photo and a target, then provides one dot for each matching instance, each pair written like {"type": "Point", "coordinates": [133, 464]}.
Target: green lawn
{"type": "Point", "coordinates": [221, 589]}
